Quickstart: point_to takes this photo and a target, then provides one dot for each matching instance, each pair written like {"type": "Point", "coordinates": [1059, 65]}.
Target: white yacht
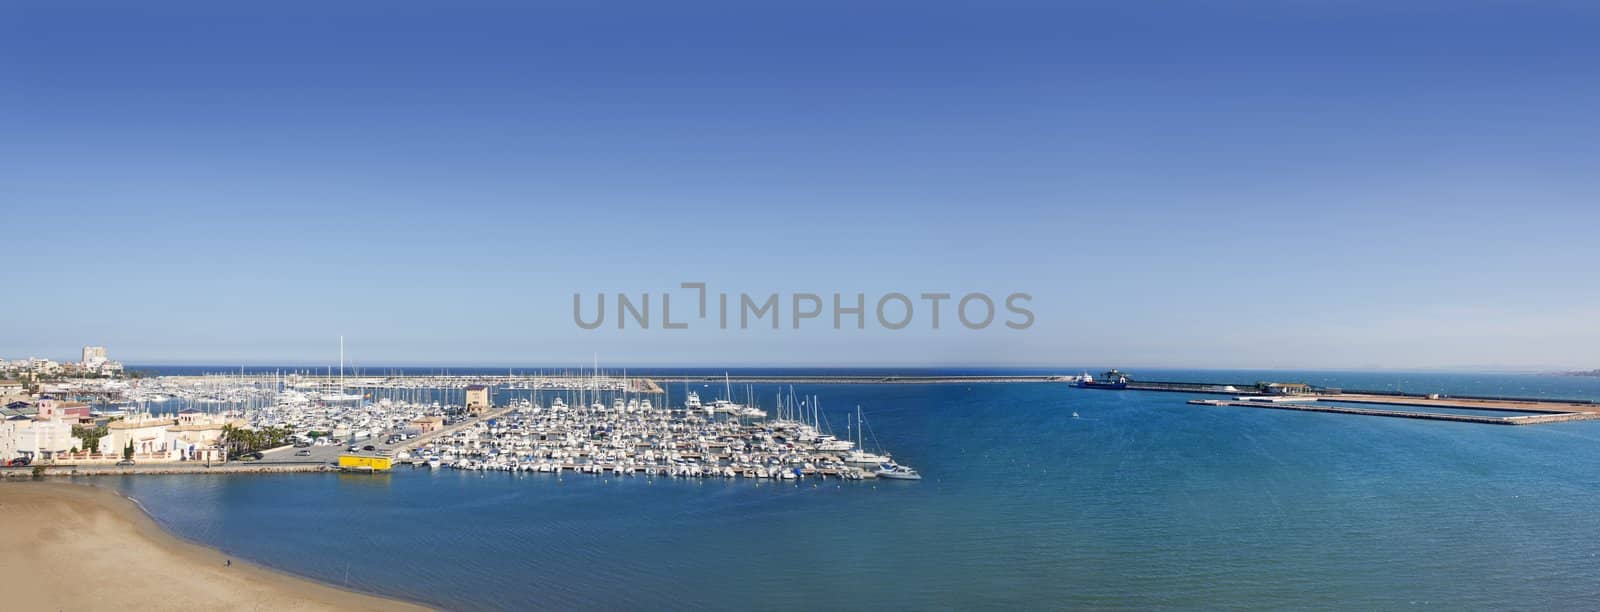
{"type": "Point", "coordinates": [861, 457]}
{"type": "Point", "coordinates": [726, 407]}
{"type": "Point", "coordinates": [835, 445]}
{"type": "Point", "coordinates": [751, 412]}
{"type": "Point", "coordinates": [894, 471]}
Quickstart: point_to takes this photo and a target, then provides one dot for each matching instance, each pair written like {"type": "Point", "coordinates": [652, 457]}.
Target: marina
{"type": "Point", "coordinates": [595, 422]}
{"type": "Point", "coordinates": [633, 437]}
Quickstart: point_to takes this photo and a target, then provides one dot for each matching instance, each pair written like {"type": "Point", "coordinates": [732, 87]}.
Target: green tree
{"type": "Point", "coordinates": [90, 435]}
{"type": "Point", "coordinates": [238, 440]}
{"type": "Point", "coordinates": [231, 440]}
{"type": "Point", "coordinates": [127, 451]}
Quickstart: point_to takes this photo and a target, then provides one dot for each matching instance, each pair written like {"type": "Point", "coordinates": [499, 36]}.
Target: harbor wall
{"type": "Point", "coordinates": [113, 470]}
{"type": "Point", "coordinates": [1529, 419]}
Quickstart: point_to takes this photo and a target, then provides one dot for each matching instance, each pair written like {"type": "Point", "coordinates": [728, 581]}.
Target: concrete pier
{"type": "Point", "coordinates": [847, 380]}
{"type": "Point", "coordinates": [1543, 414]}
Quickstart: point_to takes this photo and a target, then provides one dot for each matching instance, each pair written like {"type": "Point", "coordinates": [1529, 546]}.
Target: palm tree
{"type": "Point", "coordinates": [226, 440]}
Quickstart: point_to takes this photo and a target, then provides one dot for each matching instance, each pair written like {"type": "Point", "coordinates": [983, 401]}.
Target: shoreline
{"type": "Point", "coordinates": [88, 547]}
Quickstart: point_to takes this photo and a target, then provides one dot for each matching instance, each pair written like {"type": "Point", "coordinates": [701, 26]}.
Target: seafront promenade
{"type": "Point", "coordinates": [186, 467]}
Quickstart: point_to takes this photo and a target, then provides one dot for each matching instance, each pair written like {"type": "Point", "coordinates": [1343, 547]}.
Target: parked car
{"type": "Point", "coordinates": [367, 447]}
{"type": "Point", "coordinates": [125, 462]}
{"type": "Point", "coordinates": [302, 453]}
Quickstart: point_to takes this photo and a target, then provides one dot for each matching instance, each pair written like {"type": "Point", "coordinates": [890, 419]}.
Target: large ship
{"type": "Point", "coordinates": [1108, 380]}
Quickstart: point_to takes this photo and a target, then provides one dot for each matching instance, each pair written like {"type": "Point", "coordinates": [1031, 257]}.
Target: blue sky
{"type": "Point", "coordinates": [1222, 184]}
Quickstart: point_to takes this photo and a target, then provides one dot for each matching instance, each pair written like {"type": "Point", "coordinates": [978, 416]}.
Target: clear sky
{"type": "Point", "coordinates": [1205, 184]}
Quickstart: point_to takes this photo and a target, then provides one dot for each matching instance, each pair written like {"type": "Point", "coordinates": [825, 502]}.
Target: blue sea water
{"type": "Point", "coordinates": [1141, 502]}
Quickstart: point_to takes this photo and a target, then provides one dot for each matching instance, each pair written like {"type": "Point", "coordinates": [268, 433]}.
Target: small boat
{"type": "Point", "coordinates": [1074, 415]}
{"type": "Point", "coordinates": [895, 471]}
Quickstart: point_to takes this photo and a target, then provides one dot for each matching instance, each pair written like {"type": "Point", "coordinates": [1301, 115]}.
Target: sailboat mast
{"type": "Point", "coordinates": [859, 439]}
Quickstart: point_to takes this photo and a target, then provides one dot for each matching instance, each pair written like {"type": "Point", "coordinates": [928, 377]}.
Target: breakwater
{"type": "Point", "coordinates": [1536, 415]}
{"type": "Point", "coordinates": [847, 380]}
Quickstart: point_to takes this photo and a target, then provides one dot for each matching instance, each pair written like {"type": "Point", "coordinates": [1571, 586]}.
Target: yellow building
{"type": "Point", "coordinates": [365, 463]}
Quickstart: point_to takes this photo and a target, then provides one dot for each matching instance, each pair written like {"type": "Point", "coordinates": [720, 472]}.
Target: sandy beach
{"type": "Point", "coordinates": [75, 547]}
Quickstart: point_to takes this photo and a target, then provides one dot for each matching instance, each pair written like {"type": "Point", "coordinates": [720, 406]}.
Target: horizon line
{"type": "Point", "coordinates": [1485, 369]}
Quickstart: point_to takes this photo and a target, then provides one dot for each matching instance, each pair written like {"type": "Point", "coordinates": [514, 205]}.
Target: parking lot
{"type": "Point", "coordinates": [329, 453]}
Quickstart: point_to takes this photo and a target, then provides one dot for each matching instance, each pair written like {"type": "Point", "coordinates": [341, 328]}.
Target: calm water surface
{"type": "Point", "coordinates": [1141, 502]}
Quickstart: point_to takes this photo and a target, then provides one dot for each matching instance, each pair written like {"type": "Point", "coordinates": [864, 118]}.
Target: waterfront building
{"type": "Point", "coordinates": [1286, 388]}
{"type": "Point", "coordinates": [477, 398]}
{"type": "Point", "coordinates": [9, 421]}
{"type": "Point", "coordinates": [198, 436]}
{"type": "Point", "coordinates": [428, 424]}
{"type": "Point", "coordinates": [146, 432]}
{"type": "Point", "coordinates": [36, 438]}
{"type": "Point", "coordinates": [188, 436]}
{"type": "Point", "coordinates": [365, 463]}
{"type": "Point", "coordinates": [76, 413]}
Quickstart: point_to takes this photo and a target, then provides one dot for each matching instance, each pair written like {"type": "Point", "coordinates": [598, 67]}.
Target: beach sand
{"type": "Point", "coordinates": [74, 547]}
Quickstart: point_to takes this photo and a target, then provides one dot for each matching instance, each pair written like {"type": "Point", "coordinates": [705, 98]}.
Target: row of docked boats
{"type": "Point", "coordinates": [700, 440]}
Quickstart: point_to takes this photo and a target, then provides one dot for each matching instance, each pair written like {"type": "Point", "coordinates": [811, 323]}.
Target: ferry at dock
{"type": "Point", "coordinates": [1112, 380]}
